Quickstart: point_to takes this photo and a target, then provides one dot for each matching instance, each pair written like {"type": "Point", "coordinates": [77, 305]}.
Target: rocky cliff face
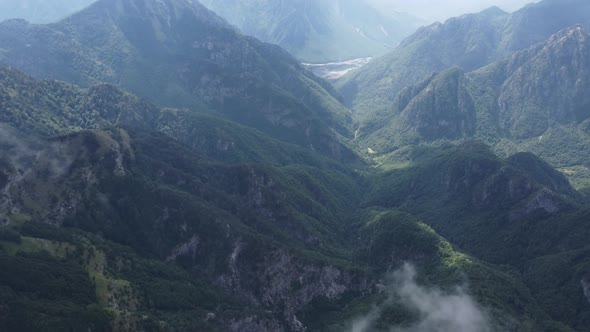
{"type": "Point", "coordinates": [549, 88]}
{"type": "Point", "coordinates": [285, 284]}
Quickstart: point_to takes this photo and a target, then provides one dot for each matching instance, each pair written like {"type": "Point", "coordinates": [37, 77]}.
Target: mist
{"type": "Point", "coordinates": [439, 311]}
{"type": "Point", "coordinates": [437, 10]}
{"type": "Point", "coordinates": [21, 153]}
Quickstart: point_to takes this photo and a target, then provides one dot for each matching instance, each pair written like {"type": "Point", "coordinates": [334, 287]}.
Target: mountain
{"type": "Point", "coordinates": [40, 11]}
{"type": "Point", "coordinates": [319, 31]}
{"type": "Point", "coordinates": [469, 42]}
{"type": "Point", "coordinates": [495, 210]}
{"type": "Point", "coordinates": [177, 53]}
{"type": "Point", "coordinates": [534, 101]}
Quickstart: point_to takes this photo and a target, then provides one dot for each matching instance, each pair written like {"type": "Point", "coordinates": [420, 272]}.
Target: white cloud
{"type": "Point", "coordinates": [438, 311]}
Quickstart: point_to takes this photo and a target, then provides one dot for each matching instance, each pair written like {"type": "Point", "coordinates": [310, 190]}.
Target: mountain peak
{"type": "Point", "coordinates": [165, 13]}
{"type": "Point", "coordinates": [493, 11]}
{"type": "Point", "coordinates": [488, 13]}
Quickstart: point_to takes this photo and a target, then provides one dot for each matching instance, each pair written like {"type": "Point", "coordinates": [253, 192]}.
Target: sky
{"type": "Point", "coordinates": [440, 10]}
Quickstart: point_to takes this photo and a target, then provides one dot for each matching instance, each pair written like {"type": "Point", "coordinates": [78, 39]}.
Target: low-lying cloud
{"type": "Point", "coordinates": [21, 153]}
{"type": "Point", "coordinates": [438, 311]}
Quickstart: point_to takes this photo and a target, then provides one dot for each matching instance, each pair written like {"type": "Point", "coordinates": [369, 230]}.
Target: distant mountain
{"type": "Point", "coordinates": [177, 53]}
{"type": "Point", "coordinates": [319, 31]}
{"type": "Point", "coordinates": [469, 42]}
{"type": "Point", "coordinates": [40, 11]}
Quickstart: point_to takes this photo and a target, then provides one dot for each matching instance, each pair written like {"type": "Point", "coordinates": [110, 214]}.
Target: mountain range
{"type": "Point", "coordinates": [319, 31]}
{"type": "Point", "coordinates": [161, 171]}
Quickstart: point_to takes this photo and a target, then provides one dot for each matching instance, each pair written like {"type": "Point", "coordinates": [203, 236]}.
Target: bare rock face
{"type": "Point", "coordinates": [283, 281]}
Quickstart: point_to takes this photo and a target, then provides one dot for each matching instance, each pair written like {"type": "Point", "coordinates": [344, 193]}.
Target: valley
{"type": "Point", "coordinates": [162, 169]}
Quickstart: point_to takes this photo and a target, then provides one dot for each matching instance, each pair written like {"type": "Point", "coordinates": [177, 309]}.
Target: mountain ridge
{"type": "Point", "coordinates": [469, 42]}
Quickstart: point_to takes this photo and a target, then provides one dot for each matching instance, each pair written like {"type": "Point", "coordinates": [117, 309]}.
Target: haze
{"type": "Point", "coordinates": [436, 10]}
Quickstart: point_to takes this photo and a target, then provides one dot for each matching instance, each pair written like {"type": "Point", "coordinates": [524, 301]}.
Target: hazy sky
{"type": "Point", "coordinates": [438, 10]}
